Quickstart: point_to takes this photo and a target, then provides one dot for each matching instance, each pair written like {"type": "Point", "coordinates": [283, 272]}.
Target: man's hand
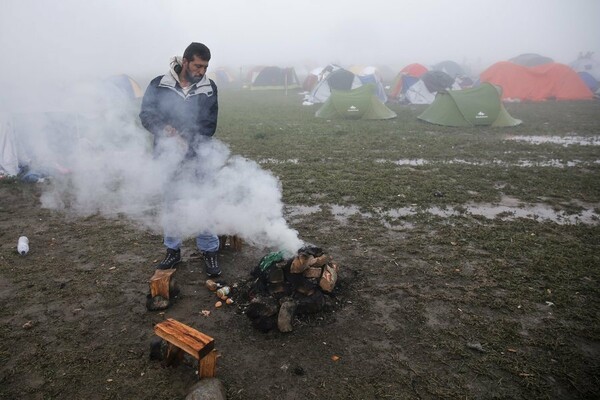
{"type": "Point", "coordinates": [170, 131]}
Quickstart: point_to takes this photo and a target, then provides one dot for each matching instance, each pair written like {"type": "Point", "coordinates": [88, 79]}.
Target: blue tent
{"type": "Point", "coordinates": [589, 80]}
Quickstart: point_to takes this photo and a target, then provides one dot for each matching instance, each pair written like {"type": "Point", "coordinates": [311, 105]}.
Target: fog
{"type": "Point", "coordinates": [51, 39]}
{"type": "Point", "coordinates": [57, 55]}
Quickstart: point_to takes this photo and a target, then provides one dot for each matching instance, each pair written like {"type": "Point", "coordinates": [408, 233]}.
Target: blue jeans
{"type": "Point", "coordinates": [205, 242]}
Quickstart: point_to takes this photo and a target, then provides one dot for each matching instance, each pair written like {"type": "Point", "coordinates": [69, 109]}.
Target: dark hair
{"type": "Point", "coordinates": [197, 49]}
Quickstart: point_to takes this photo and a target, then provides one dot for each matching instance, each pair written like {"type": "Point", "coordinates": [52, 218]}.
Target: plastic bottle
{"type": "Point", "coordinates": [23, 245]}
{"type": "Point", "coordinates": [223, 292]}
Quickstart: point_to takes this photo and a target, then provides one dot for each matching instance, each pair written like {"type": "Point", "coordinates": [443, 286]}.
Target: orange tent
{"type": "Point", "coordinates": [542, 82]}
{"type": "Point", "coordinates": [414, 69]}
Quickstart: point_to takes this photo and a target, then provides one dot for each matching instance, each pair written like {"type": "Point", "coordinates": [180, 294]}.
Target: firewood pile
{"type": "Point", "coordinates": [283, 288]}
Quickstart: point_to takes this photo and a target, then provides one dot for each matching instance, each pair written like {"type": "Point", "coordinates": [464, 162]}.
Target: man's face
{"type": "Point", "coordinates": [194, 69]}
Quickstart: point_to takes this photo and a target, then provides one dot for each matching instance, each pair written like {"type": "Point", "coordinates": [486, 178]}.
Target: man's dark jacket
{"type": "Point", "coordinates": [194, 116]}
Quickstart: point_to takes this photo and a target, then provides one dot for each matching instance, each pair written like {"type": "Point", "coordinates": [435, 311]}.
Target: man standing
{"type": "Point", "coordinates": [181, 106]}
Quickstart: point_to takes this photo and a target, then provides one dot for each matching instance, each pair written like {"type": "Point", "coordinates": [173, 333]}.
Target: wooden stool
{"type": "Point", "coordinates": [197, 344]}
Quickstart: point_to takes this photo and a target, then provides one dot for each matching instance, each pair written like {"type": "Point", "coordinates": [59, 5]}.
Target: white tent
{"type": "Point", "coordinates": [587, 63]}
{"type": "Point", "coordinates": [424, 90]}
{"type": "Point", "coordinates": [419, 94]}
{"type": "Point", "coordinates": [9, 160]}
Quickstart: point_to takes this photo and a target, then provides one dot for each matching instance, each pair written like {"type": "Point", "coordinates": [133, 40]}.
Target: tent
{"type": "Point", "coordinates": [375, 81]}
{"type": "Point", "coordinates": [42, 143]}
{"type": "Point", "coordinates": [423, 91]}
{"type": "Point", "coordinates": [386, 73]}
{"type": "Point", "coordinates": [365, 70]}
{"type": "Point", "coordinates": [530, 60]}
{"type": "Point", "coordinates": [587, 63]}
{"type": "Point", "coordinates": [406, 78]}
{"type": "Point", "coordinates": [359, 103]}
{"type": "Point", "coordinates": [588, 69]}
{"type": "Point", "coordinates": [312, 79]}
{"type": "Point", "coordinates": [9, 160]}
{"type": "Point", "coordinates": [222, 76]}
{"type": "Point", "coordinates": [542, 82]}
{"type": "Point", "coordinates": [126, 85]}
{"type": "Point", "coordinates": [469, 107]}
{"type": "Point", "coordinates": [449, 67]}
{"type": "Point", "coordinates": [263, 78]}
{"type": "Point", "coordinates": [370, 75]}
{"type": "Point", "coordinates": [335, 77]}
{"type": "Point", "coordinates": [414, 69]}
{"type": "Point", "coordinates": [589, 81]}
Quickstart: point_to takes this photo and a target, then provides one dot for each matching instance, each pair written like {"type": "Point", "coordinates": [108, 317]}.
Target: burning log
{"type": "Point", "coordinates": [300, 263]}
{"type": "Point", "coordinates": [284, 288]}
{"type": "Point", "coordinates": [263, 312]}
{"type": "Point", "coordinates": [286, 315]}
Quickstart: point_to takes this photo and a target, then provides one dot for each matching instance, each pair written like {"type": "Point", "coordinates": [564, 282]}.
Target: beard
{"type": "Point", "coordinates": [193, 79]}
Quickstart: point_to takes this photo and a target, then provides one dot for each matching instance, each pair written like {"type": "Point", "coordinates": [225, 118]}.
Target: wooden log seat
{"type": "Point", "coordinates": [182, 338]}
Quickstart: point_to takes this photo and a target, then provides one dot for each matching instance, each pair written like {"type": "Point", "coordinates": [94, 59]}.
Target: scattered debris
{"type": "Point", "coordinates": [223, 292]}
{"type": "Point", "coordinates": [212, 285]}
{"type": "Point", "coordinates": [299, 370]}
{"type": "Point", "coordinates": [156, 303]}
{"type": "Point", "coordinates": [476, 346]}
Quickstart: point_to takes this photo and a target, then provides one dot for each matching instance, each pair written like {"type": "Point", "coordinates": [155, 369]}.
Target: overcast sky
{"type": "Point", "coordinates": [42, 39]}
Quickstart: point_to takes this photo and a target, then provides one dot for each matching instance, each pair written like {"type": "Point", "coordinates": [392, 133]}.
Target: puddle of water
{"type": "Point", "coordinates": [550, 163]}
{"type": "Point", "coordinates": [562, 140]}
{"type": "Point", "coordinates": [276, 161]}
{"type": "Point", "coordinates": [406, 161]}
{"type": "Point", "coordinates": [554, 163]}
{"type": "Point", "coordinates": [296, 211]}
{"type": "Point", "coordinates": [342, 213]}
{"type": "Point", "coordinates": [508, 209]}
{"type": "Point", "coordinates": [538, 212]}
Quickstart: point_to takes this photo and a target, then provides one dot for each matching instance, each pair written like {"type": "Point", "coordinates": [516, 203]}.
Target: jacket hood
{"type": "Point", "coordinates": [171, 79]}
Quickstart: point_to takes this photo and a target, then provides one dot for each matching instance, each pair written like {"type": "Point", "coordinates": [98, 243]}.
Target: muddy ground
{"type": "Point", "coordinates": [74, 324]}
{"type": "Point", "coordinates": [426, 307]}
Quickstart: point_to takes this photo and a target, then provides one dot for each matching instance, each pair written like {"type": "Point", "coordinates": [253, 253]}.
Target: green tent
{"type": "Point", "coordinates": [480, 105]}
{"type": "Point", "coordinates": [359, 103]}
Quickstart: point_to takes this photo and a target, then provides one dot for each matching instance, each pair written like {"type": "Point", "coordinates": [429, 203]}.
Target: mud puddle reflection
{"type": "Point", "coordinates": [508, 209]}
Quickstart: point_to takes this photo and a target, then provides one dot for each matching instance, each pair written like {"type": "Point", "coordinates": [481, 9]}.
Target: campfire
{"type": "Point", "coordinates": [279, 289]}
{"type": "Point", "coordinates": [283, 288]}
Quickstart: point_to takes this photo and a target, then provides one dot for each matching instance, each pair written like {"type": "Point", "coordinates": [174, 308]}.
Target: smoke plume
{"type": "Point", "coordinates": [101, 161]}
